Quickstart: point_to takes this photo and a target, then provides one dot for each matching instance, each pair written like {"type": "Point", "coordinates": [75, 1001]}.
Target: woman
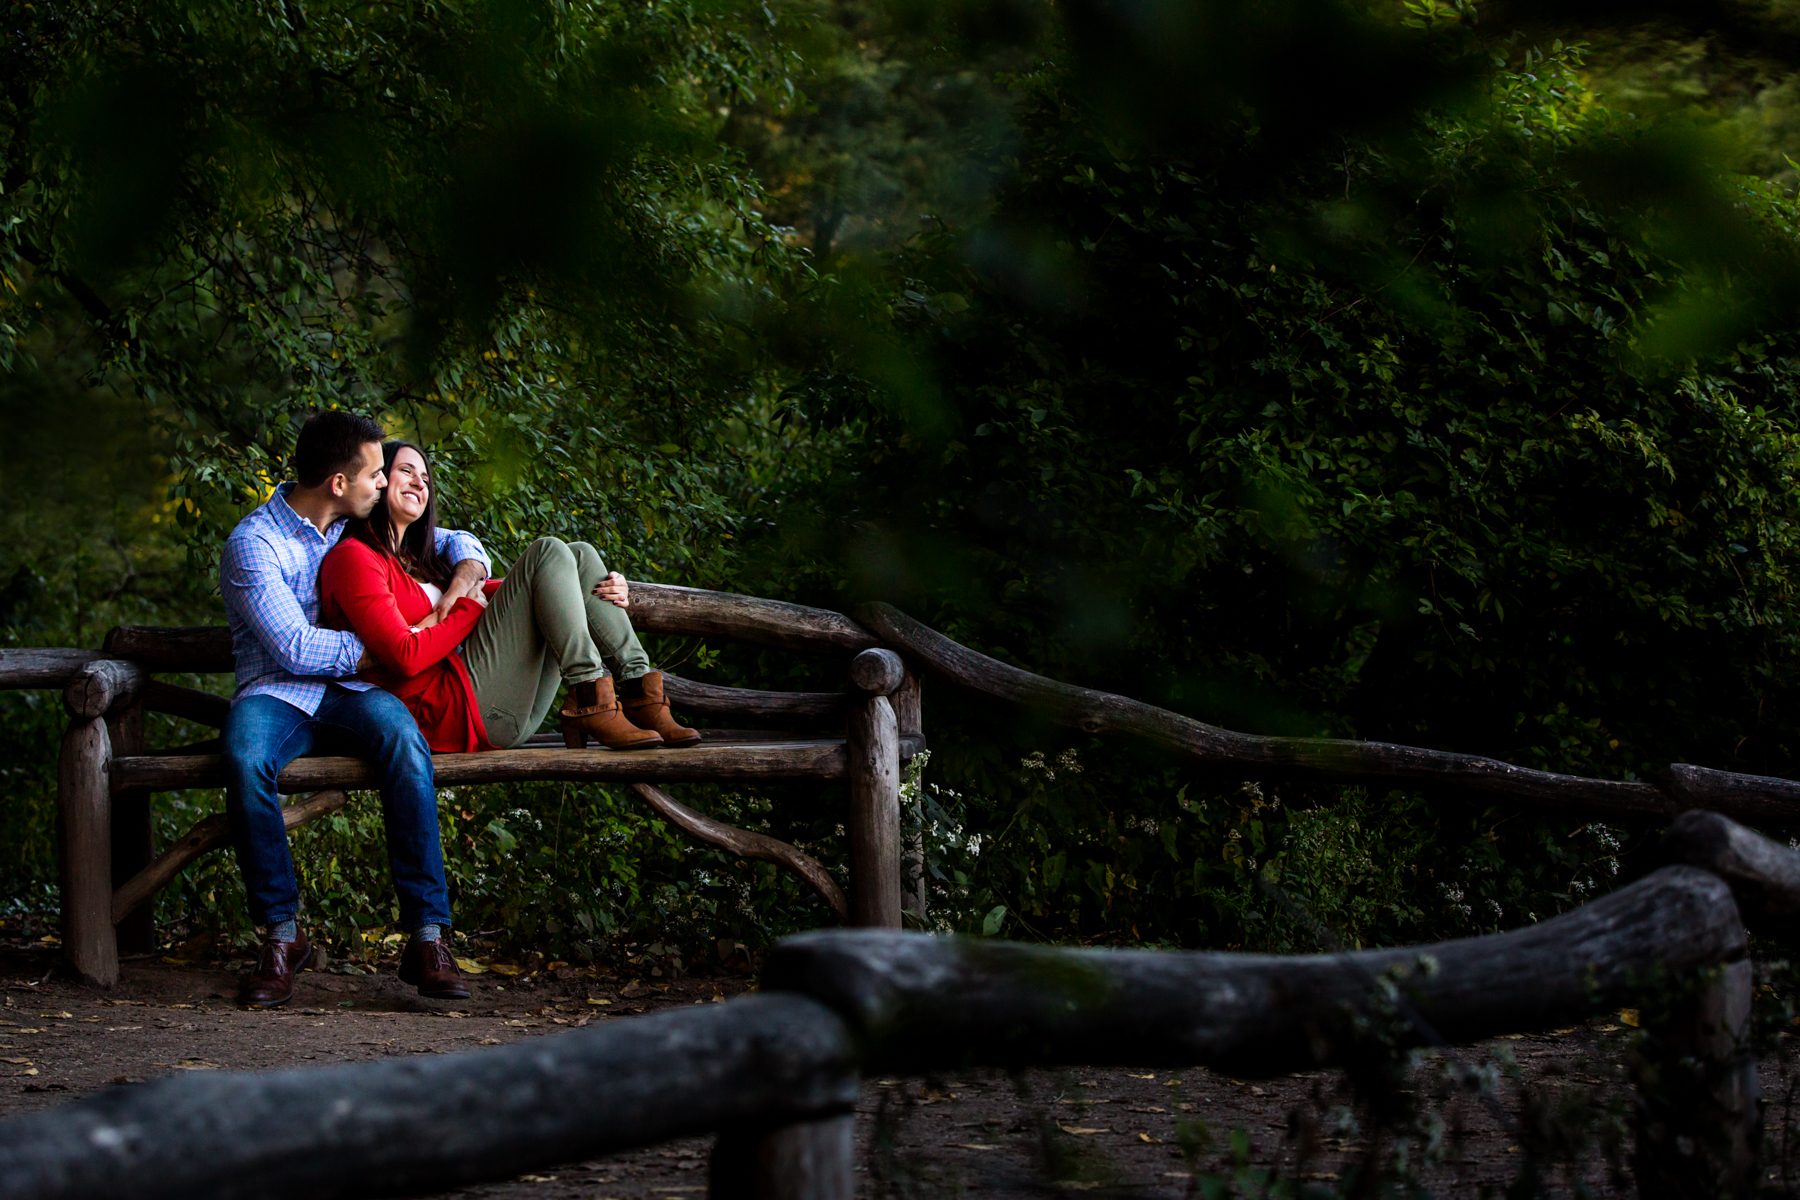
{"type": "Point", "coordinates": [546, 624]}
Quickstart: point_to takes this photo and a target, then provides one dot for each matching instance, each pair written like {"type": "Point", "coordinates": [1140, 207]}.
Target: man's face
{"type": "Point", "coordinates": [362, 488]}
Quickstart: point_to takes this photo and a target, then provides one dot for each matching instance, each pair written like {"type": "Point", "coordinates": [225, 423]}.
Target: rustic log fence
{"type": "Point", "coordinates": [860, 734]}
{"type": "Point", "coordinates": [775, 1075]}
{"type": "Point", "coordinates": [908, 1002]}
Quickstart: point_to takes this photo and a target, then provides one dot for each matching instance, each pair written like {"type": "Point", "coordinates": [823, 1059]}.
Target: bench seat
{"type": "Point", "coordinates": [799, 756]}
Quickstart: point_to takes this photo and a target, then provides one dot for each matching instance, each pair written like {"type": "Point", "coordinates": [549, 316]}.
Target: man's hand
{"type": "Point", "coordinates": [614, 588]}
{"type": "Point", "coordinates": [465, 581]}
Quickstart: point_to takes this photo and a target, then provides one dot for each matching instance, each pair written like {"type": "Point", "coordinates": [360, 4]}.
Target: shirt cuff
{"type": "Point", "coordinates": [349, 655]}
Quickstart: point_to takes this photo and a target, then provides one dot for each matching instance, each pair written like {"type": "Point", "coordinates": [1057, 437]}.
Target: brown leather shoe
{"type": "Point", "coordinates": [646, 707]}
{"type": "Point", "coordinates": [273, 984]}
{"type": "Point", "coordinates": [594, 712]}
{"type": "Point", "coordinates": [431, 967]}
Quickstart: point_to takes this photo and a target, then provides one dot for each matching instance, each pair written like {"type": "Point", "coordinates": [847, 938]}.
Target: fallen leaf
{"type": "Point", "coordinates": [1144, 1137]}
{"type": "Point", "coordinates": [1080, 1130]}
{"type": "Point", "coordinates": [597, 1000]}
{"type": "Point", "coordinates": [57, 1016]}
{"type": "Point", "coordinates": [537, 1179]}
{"type": "Point", "coordinates": [1129, 1075]}
{"type": "Point", "coordinates": [26, 1071]}
{"type": "Point", "coordinates": [507, 969]}
{"type": "Point", "coordinates": [1629, 1016]}
{"type": "Point", "coordinates": [1511, 1037]}
{"type": "Point", "coordinates": [469, 966]}
{"type": "Point", "coordinates": [17, 1062]}
{"type": "Point", "coordinates": [122, 1028]}
{"type": "Point", "coordinates": [197, 1064]}
{"type": "Point", "coordinates": [488, 1042]}
{"type": "Point", "coordinates": [971, 1146]}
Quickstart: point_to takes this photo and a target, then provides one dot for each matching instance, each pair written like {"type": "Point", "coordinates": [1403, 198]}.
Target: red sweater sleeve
{"type": "Point", "coordinates": [356, 579]}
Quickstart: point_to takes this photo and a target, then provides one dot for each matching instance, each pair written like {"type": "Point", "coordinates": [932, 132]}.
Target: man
{"type": "Point", "coordinates": [296, 693]}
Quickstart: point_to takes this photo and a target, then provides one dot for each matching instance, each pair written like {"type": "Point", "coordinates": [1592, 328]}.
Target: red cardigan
{"type": "Point", "coordinates": [372, 596]}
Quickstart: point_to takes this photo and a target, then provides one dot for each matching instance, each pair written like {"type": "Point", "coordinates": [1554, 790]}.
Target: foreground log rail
{"type": "Point", "coordinates": [775, 1074]}
{"type": "Point", "coordinates": [860, 734]}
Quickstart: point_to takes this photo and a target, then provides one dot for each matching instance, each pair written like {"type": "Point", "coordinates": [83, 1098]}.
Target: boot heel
{"type": "Point", "coordinates": [574, 735]}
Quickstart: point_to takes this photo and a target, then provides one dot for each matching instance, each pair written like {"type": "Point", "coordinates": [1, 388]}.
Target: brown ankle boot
{"type": "Point", "coordinates": [646, 707]}
{"type": "Point", "coordinates": [594, 713]}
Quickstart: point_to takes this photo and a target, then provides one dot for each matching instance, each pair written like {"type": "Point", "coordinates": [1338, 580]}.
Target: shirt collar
{"type": "Point", "coordinates": [284, 515]}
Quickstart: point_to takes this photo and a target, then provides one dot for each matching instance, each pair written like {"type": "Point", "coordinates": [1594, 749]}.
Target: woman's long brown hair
{"type": "Point", "coordinates": [417, 551]}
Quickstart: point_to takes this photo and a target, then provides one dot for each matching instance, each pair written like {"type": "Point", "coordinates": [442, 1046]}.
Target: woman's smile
{"type": "Point", "coordinates": [409, 487]}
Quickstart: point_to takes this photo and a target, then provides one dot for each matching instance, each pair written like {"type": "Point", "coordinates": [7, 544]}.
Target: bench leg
{"type": "Point", "coordinates": [874, 824]}
{"type": "Point", "coordinates": [810, 1160]}
{"type": "Point", "coordinates": [84, 819]}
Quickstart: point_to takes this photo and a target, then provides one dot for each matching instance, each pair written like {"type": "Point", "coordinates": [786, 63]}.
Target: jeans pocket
{"type": "Point", "coordinates": [502, 727]}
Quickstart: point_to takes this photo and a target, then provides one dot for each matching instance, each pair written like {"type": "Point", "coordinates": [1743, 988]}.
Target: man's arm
{"type": "Point", "coordinates": [250, 579]}
{"type": "Point", "coordinates": [472, 567]}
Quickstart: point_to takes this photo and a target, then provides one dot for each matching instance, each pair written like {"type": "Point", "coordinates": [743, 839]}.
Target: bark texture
{"type": "Point", "coordinates": [661, 608]}
{"type": "Point", "coordinates": [102, 686]}
{"type": "Point", "coordinates": [874, 818]}
{"type": "Point", "coordinates": [431, 1123]}
{"type": "Point", "coordinates": [35, 668]}
{"type": "Point", "coordinates": [84, 821]}
{"type": "Point", "coordinates": [922, 1003]}
{"type": "Point", "coordinates": [711, 700]}
{"type": "Point", "coordinates": [205, 649]}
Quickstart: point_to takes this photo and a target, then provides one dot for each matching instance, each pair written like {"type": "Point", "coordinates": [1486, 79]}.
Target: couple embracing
{"type": "Point", "coordinates": [362, 629]}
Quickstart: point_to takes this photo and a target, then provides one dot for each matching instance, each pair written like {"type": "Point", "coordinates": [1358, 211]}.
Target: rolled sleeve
{"type": "Point", "coordinates": [254, 589]}
{"type": "Point", "coordinates": [459, 545]}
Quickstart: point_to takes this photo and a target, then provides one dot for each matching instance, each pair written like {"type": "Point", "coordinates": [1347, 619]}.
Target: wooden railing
{"type": "Point", "coordinates": [775, 1074]}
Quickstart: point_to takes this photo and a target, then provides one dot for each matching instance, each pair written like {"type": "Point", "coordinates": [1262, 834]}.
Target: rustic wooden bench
{"type": "Point", "coordinates": [106, 776]}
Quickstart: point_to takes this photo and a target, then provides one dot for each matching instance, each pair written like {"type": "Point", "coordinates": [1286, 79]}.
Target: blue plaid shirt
{"type": "Point", "coordinates": [269, 576]}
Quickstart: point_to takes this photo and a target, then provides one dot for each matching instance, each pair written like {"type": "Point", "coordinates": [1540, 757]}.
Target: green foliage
{"type": "Point", "coordinates": [1423, 400]}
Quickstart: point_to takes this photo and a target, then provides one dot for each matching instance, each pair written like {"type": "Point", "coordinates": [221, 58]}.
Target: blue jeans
{"type": "Point", "coordinates": [263, 735]}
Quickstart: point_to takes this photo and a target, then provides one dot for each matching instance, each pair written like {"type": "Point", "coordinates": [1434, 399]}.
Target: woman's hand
{"type": "Point", "coordinates": [431, 618]}
{"type": "Point", "coordinates": [615, 588]}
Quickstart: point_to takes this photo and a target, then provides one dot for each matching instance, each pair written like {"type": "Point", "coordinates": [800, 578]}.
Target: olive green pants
{"type": "Point", "coordinates": [544, 627]}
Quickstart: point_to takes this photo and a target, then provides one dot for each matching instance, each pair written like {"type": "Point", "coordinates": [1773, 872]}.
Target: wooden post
{"type": "Point", "coordinates": [874, 824]}
{"type": "Point", "coordinates": [809, 1160]}
{"type": "Point", "coordinates": [909, 715]}
{"type": "Point", "coordinates": [133, 832]}
{"type": "Point", "coordinates": [84, 819]}
{"type": "Point", "coordinates": [1700, 1123]}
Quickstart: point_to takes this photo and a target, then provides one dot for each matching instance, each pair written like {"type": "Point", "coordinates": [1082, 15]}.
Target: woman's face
{"type": "Point", "coordinates": [409, 487]}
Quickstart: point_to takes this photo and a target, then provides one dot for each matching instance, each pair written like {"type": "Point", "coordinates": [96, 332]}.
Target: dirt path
{"type": "Point", "coordinates": [1110, 1132]}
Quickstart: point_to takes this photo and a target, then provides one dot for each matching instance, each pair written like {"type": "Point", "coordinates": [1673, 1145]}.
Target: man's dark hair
{"type": "Point", "coordinates": [331, 442]}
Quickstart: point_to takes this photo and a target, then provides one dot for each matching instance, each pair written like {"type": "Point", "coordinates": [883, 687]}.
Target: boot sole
{"type": "Point", "coordinates": [461, 993]}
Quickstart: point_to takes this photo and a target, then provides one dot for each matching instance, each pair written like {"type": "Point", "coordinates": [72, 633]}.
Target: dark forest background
{"type": "Point", "coordinates": [1423, 372]}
